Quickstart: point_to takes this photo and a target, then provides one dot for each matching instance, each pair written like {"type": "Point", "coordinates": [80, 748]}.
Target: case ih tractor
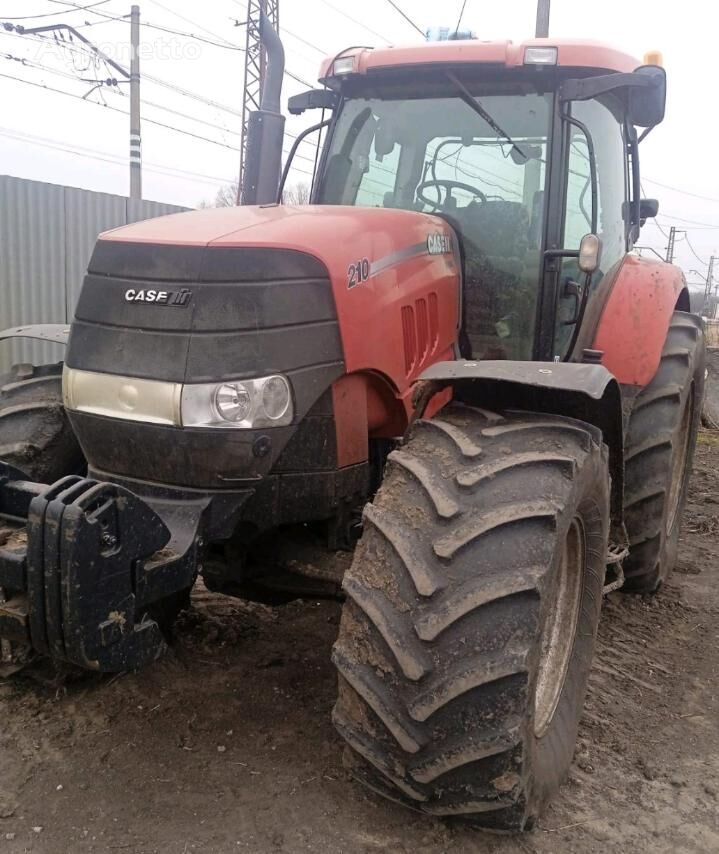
{"type": "Point", "coordinates": [451, 347]}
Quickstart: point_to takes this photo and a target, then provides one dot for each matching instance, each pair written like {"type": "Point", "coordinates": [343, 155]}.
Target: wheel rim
{"type": "Point", "coordinates": [679, 462]}
{"type": "Point", "coordinates": [560, 627]}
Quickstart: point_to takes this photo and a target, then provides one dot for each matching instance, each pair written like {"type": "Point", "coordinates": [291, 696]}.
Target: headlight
{"type": "Point", "coordinates": [233, 402]}
{"type": "Point", "coordinates": [246, 404]}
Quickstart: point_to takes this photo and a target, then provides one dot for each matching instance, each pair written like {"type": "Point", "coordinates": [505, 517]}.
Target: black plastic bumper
{"type": "Point", "coordinates": [82, 563]}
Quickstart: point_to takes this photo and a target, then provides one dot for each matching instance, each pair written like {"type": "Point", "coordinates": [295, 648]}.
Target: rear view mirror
{"type": "Point", "coordinates": [644, 92]}
{"type": "Point", "coordinates": [315, 99]}
{"type": "Point", "coordinates": [590, 253]}
{"type": "Point", "coordinates": [648, 209]}
{"type": "Point", "coordinates": [646, 104]}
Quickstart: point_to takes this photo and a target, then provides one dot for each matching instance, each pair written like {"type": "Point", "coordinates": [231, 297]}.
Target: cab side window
{"type": "Point", "coordinates": [606, 128]}
{"type": "Point", "coordinates": [607, 131]}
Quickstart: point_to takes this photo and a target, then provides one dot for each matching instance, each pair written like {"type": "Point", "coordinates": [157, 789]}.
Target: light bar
{"type": "Point", "coordinates": [541, 56]}
{"type": "Point", "coordinates": [344, 65]}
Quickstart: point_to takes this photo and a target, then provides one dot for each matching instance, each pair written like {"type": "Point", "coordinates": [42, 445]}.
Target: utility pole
{"type": "Point", "coordinates": [254, 70]}
{"type": "Point", "coordinates": [542, 30]}
{"type": "Point", "coordinates": [672, 243]}
{"type": "Point", "coordinates": [708, 288]}
{"type": "Point", "coordinates": [133, 76]}
{"type": "Point", "coordinates": [135, 128]}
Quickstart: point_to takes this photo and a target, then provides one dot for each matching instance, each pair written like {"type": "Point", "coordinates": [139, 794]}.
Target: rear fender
{"type": "Point", "coordinates": [588, 393]}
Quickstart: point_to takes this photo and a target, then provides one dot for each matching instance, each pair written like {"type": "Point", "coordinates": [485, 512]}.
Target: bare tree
{"type": "Point", "coordinates": [227, 196]}
{"type": "Point", "coordinates": [296, 194]}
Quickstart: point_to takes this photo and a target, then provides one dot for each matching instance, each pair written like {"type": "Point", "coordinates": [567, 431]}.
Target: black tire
{"type": "Point", "coordinates": [449, 601]}
{"type": "Point", "coordinates": [35, 434]}
{"type": "Point", "coordinates": [659, 450]}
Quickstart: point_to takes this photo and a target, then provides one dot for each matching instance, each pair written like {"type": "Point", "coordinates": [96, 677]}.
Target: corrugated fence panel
{"type": "Point", "coordinates": [32, 265]}
{"type": "Point", "coordinates": [47, 234]}
{"type": "Point", "coordinates": [137, 211]}
{"type": "Point", "coordinates": [86, 215]}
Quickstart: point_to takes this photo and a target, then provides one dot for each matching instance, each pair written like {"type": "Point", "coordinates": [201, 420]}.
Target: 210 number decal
{"type": "Point", "coordinates": [358, 273]}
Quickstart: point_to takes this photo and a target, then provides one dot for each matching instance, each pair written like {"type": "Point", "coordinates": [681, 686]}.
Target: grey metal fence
{"type": "Point", "coordinates": [47, 234]}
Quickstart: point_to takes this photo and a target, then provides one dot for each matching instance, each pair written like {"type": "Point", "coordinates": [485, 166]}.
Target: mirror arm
{"type": "Point", "coordinates": [645, 133]}
{"type": "Point", "coordinates": [584, 89]}
{"type": "Point", "coordinates": [561, 253]}
{"type": "Point", "coordinates": [636, 224]}
{"type": "Point", "coordinates": [290, 157]}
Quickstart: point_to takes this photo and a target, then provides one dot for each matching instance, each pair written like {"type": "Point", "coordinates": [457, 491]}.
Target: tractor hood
{"type": "Point", "coordinates": [336, 236]}
{"type": "Point", "coordinates": [248, 268]}
{"type": "Point", "coordinates": [239, 293]}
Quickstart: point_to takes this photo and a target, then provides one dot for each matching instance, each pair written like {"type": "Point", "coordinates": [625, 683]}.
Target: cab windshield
{"type": "Point", "coordinates": [439, 155]}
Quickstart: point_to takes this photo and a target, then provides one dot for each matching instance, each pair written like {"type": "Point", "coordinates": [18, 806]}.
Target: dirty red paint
{"type": "Point", "coordinates": [635, 320]}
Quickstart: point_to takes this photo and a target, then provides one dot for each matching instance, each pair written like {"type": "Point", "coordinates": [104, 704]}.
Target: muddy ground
{"type": "Point", "coordinates": [226, 745]}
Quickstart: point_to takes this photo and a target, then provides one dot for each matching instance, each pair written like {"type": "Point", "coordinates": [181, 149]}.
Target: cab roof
{"type": "Point", "coordinates": [571, 53]}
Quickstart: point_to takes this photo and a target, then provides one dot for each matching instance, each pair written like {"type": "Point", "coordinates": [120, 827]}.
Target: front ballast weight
{"type": "Point", "coordinates": [82, 564]}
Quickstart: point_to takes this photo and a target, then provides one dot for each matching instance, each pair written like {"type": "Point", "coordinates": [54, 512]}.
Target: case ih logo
{"type": "Point", "coordinates": [179, 299]}
{"type": "Point", "coordinates": [439, 244]}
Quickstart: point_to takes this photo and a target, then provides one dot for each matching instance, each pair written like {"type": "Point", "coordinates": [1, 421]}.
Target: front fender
{"type": "Point", "coordinates": [589, 393]}
{"type": "Point", "coordinates": [56, 333]}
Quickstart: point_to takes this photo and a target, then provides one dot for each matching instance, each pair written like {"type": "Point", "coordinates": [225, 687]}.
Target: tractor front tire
{"type": "Point", "coordinates": [35, 434]}
{"type": "Point", "coordinates": [659, 451]}
{"type": "Point", "coordinates": [472, 607]}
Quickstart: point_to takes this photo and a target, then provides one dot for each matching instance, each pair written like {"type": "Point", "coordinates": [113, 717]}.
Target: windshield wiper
{"type": "Point", "coordinates": [472, 102]}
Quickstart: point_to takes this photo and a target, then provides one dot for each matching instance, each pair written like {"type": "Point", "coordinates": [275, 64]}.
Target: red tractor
{"type": "Point", "coordinates": [452, 350]}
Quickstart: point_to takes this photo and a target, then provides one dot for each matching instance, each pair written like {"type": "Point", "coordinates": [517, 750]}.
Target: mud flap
{"type": "Point", "coordinates": [80, 562]}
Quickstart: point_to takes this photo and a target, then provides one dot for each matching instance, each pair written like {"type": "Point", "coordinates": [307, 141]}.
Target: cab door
{"type": "Point", "coordinates": [594, 139]}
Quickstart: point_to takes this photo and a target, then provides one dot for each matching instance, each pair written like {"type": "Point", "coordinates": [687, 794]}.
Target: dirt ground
{"type": "Point", "coordinates": [226, 745]}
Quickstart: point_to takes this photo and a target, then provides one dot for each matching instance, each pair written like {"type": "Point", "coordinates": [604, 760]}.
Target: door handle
{"type": "Point", "coordinates": [576, 291]}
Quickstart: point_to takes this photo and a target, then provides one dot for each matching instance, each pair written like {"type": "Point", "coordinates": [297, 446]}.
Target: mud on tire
{"type": "Point", "coordinates": [35, 434]}
{"type": "Point", "coordinates": [659, 451]}
{"type": "Point", "coordinates": [450, 615]}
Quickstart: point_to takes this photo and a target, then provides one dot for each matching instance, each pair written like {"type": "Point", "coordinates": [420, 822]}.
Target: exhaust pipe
{"type": "Point", "coordinates": [266, 126]}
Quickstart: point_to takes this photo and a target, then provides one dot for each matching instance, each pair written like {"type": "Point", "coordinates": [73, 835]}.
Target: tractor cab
{"type": "Point", "coordinates": [523, 149]}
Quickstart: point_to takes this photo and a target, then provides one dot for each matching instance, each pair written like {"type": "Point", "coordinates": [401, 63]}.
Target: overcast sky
{"type": "Point", "coordinates": [37, 127]}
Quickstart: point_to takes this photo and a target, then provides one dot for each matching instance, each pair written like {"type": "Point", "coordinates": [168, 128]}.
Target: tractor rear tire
{"type": "Point", "coordinates": [35, 434]}
{"type": "Point", "coordinates": [659, 451]}
{"type": "Point", "coordinates": [472, 607]}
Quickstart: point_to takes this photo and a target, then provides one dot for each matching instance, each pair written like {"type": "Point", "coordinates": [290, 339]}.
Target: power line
{"type": "Point", "coordinates": [150, 121]}
{"type": "Point", "coordinates": [190, 21]}
{"type": "Point", "coordinates": [187, 93]}
{"type": "Point", "coordinates": [656, 224]}
{"type": "Point", "coordinates": [96, 154]}
{"type": "Point", "coordinates": [104, 156]}
{"type": "Point", "coordinates": [683, 192]}
{"type": "Point", "coordinates": [194, 36]}
{"type": "Point", "coordinates": [284, 30]}
{"type": "Point", "coordinates": [298, 78]}
{"type": "Point", "coordinates": [354, 20]}
{"type": "Point", "coordinates": [118, 110]}
{"type": "Point", "coordinates": [691, 221]}
{"type": "Point", "coordinates": [223, 43]}
{"type": "Point", "coordinates": [305, 42]}
{"type": "Point", "coordinates": [65, 75]}
{"type": "Point", "coordinates": [406, 17]}
{"type": "Point", "coordinates": [694, 253]}
{"type": "Point", "coordinates": [54, 14]}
